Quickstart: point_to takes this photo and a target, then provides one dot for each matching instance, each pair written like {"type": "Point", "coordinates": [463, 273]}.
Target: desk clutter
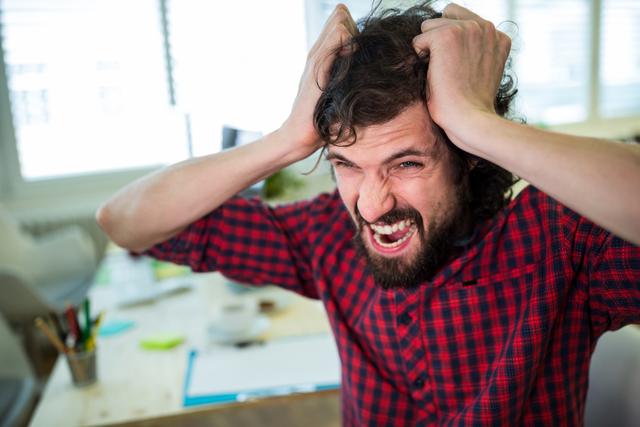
{"type": "Point", "coordinates": [150, 350]}
{"type": "Point", "coordinates": [73, 334]}
{"type": "Point", "coordinates": [140, 279]}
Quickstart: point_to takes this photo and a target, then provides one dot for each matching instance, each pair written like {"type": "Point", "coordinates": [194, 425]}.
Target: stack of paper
{"type": "Point", "coordinates": [280, 367]}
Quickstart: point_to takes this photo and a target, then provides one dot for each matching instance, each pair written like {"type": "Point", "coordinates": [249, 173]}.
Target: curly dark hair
{"type": "Point", "coordinates": [381, 77]}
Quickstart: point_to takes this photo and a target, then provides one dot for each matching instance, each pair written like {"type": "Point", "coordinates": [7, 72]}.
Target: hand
{"type": "Point", "coordinates": [299, 127]}
{"type": "Point", "coordinates": [466, 61]}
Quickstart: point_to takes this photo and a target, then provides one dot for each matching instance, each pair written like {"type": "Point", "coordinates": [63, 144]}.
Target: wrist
{"type": "Point", "coordinates": [471, 130]}
{"type": "Point", "coordinates": [284, 147]}
{"type": "Point", "coordinates": [295, 144]}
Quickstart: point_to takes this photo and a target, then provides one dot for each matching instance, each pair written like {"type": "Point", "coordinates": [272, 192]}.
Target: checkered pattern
{"type": "Point", "coordinates": [501, 336]}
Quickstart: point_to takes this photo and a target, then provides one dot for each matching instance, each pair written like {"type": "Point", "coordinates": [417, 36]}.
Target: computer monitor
{"type": "Point", "coordinates": [232, 137]}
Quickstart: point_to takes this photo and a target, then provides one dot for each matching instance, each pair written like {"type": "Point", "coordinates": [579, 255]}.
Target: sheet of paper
{"type": "Point", "coordinates": [283, 366]}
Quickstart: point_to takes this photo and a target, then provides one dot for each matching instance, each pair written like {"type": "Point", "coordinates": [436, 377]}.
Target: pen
{"type": "Point", "coordinates": [87, 321]}
{"type": "Point", "coordinates": [74, 328]}
{"type": "Point", "coordinates": [248, 343]}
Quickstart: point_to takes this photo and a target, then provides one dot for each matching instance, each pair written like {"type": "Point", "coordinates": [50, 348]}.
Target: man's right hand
{"type": "Point", "coordinates": [337, 32]}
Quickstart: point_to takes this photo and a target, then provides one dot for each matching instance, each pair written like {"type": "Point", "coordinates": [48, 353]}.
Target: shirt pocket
{"type": "Point", "coordinates": [468, 280]}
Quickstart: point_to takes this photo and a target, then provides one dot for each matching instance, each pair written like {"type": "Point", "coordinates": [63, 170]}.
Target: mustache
{"type": "Point", "coordinates": [393, 216]}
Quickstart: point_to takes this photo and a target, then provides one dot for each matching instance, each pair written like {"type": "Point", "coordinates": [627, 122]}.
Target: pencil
{"type": "Point", "coordinates": [57, 325]}
{"type": "Point", "coordinates": [94, 331]}
{"type": "Point", "coordinates": [53, 337]}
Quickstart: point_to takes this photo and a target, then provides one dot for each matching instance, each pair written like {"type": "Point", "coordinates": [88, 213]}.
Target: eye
{"type": "Point", "coordinates": [409, 165]}
{"type": "Point", "coordinates": [342, 164]}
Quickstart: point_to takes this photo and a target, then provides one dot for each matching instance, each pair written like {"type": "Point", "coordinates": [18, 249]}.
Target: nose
{"type": "Point", "coordinates": [375, 198]}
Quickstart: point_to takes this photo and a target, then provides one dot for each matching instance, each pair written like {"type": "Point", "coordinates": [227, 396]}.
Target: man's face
{"type": "Point", "coordinates": [397, 185]}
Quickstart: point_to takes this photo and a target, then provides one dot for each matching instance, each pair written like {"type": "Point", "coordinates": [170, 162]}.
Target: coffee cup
{"type": "Point", "coordinates": [236, 317]}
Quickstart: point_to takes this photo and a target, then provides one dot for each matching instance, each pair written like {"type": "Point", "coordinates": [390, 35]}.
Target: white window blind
{"type": "Point", "coordinates": [620, 58]}
{"type": "Point", "coordinates": [88, 86]}
{"type": "Point", "coordinates": [553, 64]}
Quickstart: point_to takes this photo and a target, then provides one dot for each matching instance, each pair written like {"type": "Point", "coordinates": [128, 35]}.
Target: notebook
{"type": "Point", "coordinates": [279, 367]}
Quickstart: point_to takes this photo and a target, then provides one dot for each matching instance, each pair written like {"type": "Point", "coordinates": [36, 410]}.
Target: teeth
{"type": "Point", "coordinates": [378, 238]}
{"type": "Point", "coordinates": [388, 229]}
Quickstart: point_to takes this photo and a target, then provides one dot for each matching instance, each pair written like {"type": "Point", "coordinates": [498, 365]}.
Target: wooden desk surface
{"type": "Point", "coordinates": [135, 384]}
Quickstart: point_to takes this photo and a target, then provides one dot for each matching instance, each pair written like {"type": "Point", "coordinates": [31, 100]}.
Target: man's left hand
{"type": "Point", "coordinates": [467, 56]}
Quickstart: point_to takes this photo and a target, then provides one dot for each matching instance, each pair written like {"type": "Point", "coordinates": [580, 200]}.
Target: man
{"type": "Point", "coordinates": [448, 306]}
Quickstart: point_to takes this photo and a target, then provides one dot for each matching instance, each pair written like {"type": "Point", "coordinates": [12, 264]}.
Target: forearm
{"type": "Point", "coordinates": [160, 205]}
{"type": "Point", "coordinates": [597, 178]}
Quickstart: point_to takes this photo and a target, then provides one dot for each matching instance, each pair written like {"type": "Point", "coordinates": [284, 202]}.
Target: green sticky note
{"type": "Point", "coordinates": [161, 341]}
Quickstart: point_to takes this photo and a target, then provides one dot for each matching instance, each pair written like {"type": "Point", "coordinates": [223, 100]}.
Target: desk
{"type": "Point", "coordinates": [135, 386]}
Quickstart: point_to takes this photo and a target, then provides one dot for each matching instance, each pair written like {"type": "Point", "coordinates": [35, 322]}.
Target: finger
{"type": "Point", "coordinates": [328, 27]}
{"type": "Point", "coordinates": [350, 23]}
{"type": "Point", "coordinates": [455, 11]}
{"type": "Point", "coordinates": [504, 42]}
{"type": "Point", "coordinates": [327, 51]}
{"type": "Point", "coordinates": [432, 24]}
{"type": "Point", "coordinates": [422, 42]}
{"type": "Point", "coordinates": [338, 34]}
{"type": "Point", "coordinates": [339, 17]}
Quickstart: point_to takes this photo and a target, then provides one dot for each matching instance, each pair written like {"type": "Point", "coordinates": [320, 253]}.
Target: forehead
{"type": "Point", "coordinates": [412, 129]}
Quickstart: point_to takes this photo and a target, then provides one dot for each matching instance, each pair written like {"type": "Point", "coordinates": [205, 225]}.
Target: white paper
{"type": "Point", "coordinates": [283, 366]}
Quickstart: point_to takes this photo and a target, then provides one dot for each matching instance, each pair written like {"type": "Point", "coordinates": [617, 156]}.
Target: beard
{"type": "Point", "coordinates": [437, 245]}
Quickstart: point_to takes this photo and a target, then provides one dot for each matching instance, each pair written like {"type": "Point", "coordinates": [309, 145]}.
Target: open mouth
{"type": "Point", "coordinates": [392, 237]}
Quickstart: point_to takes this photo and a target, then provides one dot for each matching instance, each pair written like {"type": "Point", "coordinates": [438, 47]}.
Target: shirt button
{"type": "Point", "coordinates": [405, 319]}
{"type": "Point", "coordinates": [418, 383]}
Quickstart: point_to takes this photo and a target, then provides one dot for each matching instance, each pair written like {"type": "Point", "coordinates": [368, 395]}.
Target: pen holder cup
{"type": "Point", "coordinates": [83, 368]}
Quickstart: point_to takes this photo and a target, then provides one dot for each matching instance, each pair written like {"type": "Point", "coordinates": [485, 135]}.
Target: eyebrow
{"type": "Point", "coordinates": [395, 156]}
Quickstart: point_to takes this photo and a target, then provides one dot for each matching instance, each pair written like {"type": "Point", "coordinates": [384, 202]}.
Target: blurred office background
{"type": "Point", "coordinates": [95, 93]}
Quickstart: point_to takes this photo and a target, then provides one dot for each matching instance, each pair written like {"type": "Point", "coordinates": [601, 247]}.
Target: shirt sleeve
{"type": "Point", "coordinates": [249, 241]}
{"type": "Point", "coordinates": [610, 267]}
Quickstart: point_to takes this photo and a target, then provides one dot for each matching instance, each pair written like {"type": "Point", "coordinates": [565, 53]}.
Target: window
{"type": "Point", "coordinates": [103, 85]}
{"type": "Point", "coordinates": [114, 85]}
{"type": "Point", "coordinates": [553, 44]}
{"type": "Point", "coordinates": [552, 64]}
{"type": "Point", "coordinates": [88, 86]}
{"type": "Point", "coordinates": [620, 58]}
{"type": "Point", "coordinates": [235, 64]}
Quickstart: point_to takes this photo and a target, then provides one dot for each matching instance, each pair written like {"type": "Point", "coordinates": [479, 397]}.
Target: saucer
{"type": "Point", "coordinates": [221, 337]}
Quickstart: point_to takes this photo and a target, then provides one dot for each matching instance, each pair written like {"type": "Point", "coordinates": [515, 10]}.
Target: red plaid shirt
{"type": "Point", "coordinates": [502, 335]}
